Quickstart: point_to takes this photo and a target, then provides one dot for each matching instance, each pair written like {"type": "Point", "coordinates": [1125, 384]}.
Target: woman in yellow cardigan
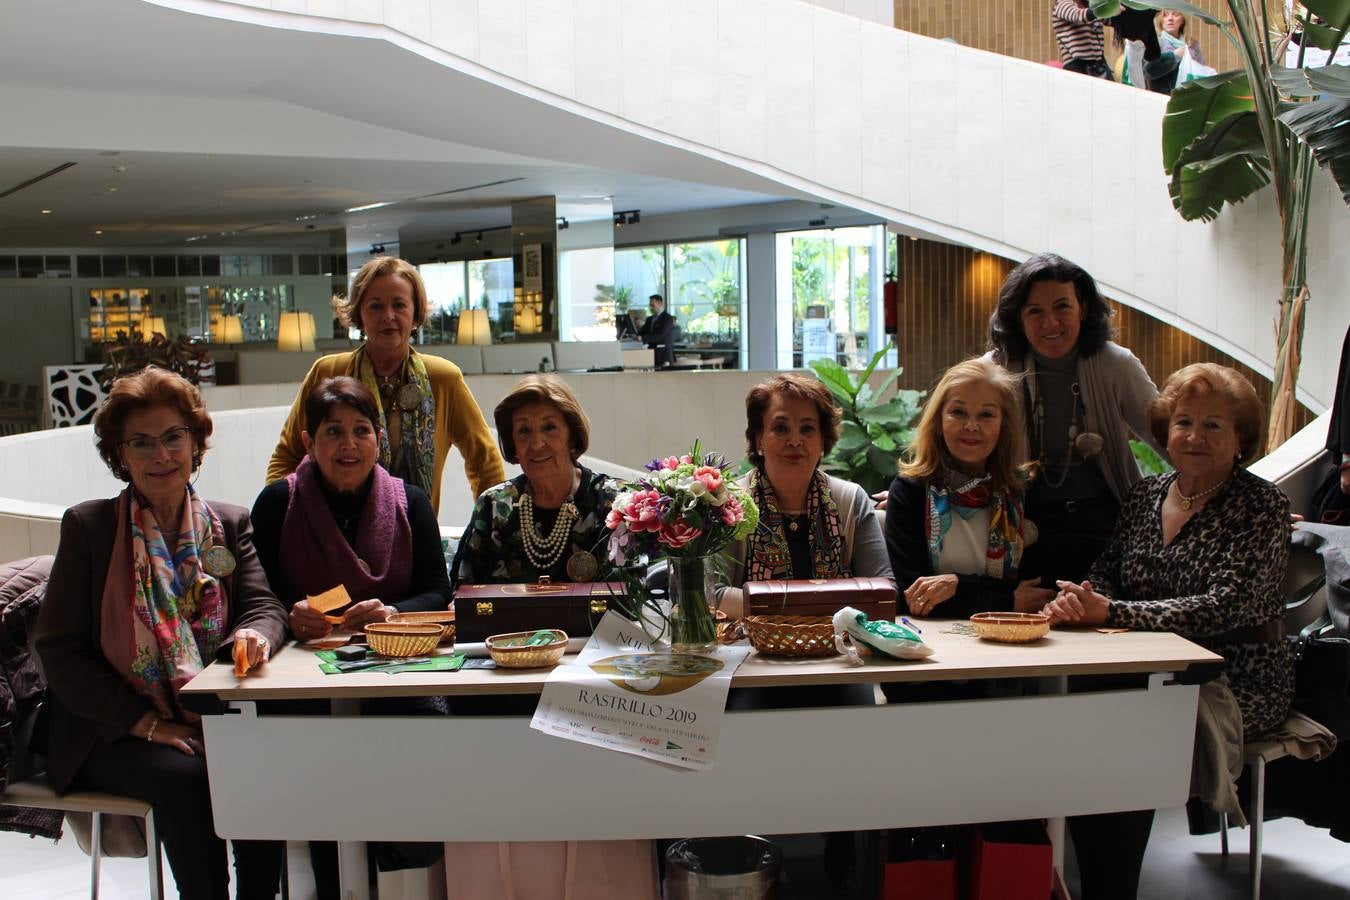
{"type": "Point", "coordinates": [425, 406]}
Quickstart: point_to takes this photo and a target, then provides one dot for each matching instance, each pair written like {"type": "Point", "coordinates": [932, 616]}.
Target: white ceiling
{"type": "Point", "coordinates": [184, 126]}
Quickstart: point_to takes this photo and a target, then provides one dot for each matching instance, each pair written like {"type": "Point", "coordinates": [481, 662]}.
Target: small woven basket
{"type": "Point", "coordinates": [443, 617]}
{"type": "Point", "coordinates": [797, 636]}
{"type": "Point", "coordinates": [403, 638]}
{"type": "Point", "coordinates": [1011, 627]}
{"type": "Point", "coordinates": [535, 657]}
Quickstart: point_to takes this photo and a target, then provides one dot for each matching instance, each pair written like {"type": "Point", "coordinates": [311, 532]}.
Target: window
{"type": "Point", "coordinates": [30, 267]}
{"type": "Point", "coordinates": [8, 267]}
{"type": "Point", "coordinates": [163, 267]}
{"type": "Point", "coordinates": [309, 264]}
{"type": "Point", "coordinates": [210, 266]}
{"type": "Point", "coordinates": [445, 298]}
{"type": "Point", "coordinates": [138, 266]}
{"type": "Point", "coordinates": [492, 286]}
{"type": "Point", "coordinates": [830, 301]}
{"type": "Point", "coordinates": [280, 264]}
{"type": "Point", "coordinates": [639, 272]}
{"type": "Point", "coordinates": [705, 293]}
{"type": "Point", "coordinates": [586, 294]}
{"type": "Point", "coordinates": [190, 266]}
{"type": "Point", "coordinates": [56, 266]}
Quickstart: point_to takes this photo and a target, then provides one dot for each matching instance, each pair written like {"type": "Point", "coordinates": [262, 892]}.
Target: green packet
{"type": "Point", "coordinates": [329, 664]}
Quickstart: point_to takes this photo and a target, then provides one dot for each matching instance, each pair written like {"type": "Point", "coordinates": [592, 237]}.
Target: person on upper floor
{"type": "Point", "coordinates": [1082, 398]}
{"type": "Point", "coordinates": [811, 525]}
{"type": "Point", "coordinates": [147, 589]}
{"type": "Point", "coordinates": [955, 529]}
{"type": "Point", "coordinates": [550, 519]}
{"type": "Point", "coordinates": [1080, 37]}
{"type": "Point", "coordinates": [341, 519]}
{"type": "Point", "coordinates": [424, 407]}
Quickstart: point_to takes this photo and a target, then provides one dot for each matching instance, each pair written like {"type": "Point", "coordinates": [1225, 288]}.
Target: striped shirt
{"type": "Point", "coordinates": [1079, 34]}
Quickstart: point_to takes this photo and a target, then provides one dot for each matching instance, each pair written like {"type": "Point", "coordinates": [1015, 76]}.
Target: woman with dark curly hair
{"type": "Point", "coordinates": [1083, 395]}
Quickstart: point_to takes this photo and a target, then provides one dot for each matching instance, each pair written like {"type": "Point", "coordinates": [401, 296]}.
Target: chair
{"type": "Point", "coordinates": [36, 793]}
{"type": "Point", "coordinates": [1305, 602]}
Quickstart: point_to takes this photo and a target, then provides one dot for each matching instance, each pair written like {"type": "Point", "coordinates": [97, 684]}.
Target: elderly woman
{"type": "Point", "coordinates": [146, 590]}
{"type": "Point", "coordinates": [423, 405]}
{"type": "Point", "coordinates": [954, 525]}
{"type": "Point", "coordinates": [1201, 552]}
{"type": "Point", "coordinates": [811, 525]}
{"type": "Point", "coordinates": [341, 519]}
{"type": "Point", "coordinates": [550, 519]}
{"type": "Point", "coordinates": [1083, 395]}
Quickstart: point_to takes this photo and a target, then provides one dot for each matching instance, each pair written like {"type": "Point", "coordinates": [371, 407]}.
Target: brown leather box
{"type": "Point", "coordinates": [487, 609]}
{"type": "Point", "coordinates": [821, 597]}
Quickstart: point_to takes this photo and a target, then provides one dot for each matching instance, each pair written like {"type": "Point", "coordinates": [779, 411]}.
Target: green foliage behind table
{"type": "Point", "coordinates": [875, 429]}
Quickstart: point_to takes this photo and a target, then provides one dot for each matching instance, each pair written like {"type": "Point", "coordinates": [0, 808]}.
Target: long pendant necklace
{"type": "Point", "coordinates": [544, 552]}
{"type": "Point", "coordinates": [1086, 443]}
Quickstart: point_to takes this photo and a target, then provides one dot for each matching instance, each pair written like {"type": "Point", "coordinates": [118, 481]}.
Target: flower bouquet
{"type": "Point", "coordinates": [687, 510]}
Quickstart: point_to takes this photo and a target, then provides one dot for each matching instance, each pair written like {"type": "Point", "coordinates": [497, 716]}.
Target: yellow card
{"type": "Point", "coordinates": [335, 598]}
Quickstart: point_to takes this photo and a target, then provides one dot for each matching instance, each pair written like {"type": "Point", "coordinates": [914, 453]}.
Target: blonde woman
{"type": "Point", "coordinates": [955, 528]}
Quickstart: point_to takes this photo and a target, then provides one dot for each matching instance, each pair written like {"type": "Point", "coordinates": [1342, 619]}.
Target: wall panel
{"type": "Point", "coordinates": [947, 294]}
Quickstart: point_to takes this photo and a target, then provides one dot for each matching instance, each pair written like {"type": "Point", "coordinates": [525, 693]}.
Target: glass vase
{"type": "Point", "coordinates": [693, 625]}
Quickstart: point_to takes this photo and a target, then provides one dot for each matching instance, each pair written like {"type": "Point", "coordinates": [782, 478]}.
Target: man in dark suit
{"type": "Point", "coordinates": [659, 332]}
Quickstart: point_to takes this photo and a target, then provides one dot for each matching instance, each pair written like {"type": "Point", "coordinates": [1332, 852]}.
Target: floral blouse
{"type": "Point", "coordinates": [492, 551]}
{"type": "Point", "coordinates": [1221, 572]}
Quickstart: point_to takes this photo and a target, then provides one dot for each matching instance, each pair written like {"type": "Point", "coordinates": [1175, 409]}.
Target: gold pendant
{"type": "Point", "coordinates": [793, 524]}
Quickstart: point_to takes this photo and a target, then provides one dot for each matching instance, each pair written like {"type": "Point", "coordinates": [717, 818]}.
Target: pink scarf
{"type": "Point", "coordinates": [315, 556]}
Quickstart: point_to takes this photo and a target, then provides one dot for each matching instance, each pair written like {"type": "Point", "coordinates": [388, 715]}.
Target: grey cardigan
{"type": "Point", "coordinates": [1116, 395]}
{"type": "Point", "coordinates": [864, 546]}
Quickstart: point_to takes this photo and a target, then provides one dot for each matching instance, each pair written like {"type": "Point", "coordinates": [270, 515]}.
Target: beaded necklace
{"type": "Point", "coordinates": [544, 552]}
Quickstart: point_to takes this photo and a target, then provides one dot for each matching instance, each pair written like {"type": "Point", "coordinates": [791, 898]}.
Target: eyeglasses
{"type": "Point", "coordinates": [143, 446]}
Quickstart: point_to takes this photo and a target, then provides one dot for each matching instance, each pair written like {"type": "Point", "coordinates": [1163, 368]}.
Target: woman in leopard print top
{"type": "Point", "coordinates": [1202, 551]}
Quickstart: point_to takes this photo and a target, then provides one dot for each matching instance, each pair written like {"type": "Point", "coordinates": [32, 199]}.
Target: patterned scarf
{"type": "Point", "coordinates": [954, 490]}
{"type": "Point", "coordinates": [177, 611]}
{"type": "Point", "coordinates": [415, 461]}
{"type": "Point", "coordinates": [767, 553]}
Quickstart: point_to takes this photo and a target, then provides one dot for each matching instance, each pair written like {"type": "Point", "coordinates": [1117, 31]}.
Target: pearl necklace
{"type": "Point", "coordinates": [544, 552]}
{"type": "Point", "coordinates": [1187, 501]}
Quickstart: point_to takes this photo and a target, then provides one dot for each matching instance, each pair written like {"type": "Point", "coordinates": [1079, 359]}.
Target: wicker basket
{"type": "Point", "coordinates": [403, 638]}
{"type": "Point", "coordinates": [535, 657]}
{"type": "Point", "coordinates": [797, 636]}
{"type": "Point", "coordinates": [1011, 627]}
{"type": "Point", "coordinates": [443, 617]}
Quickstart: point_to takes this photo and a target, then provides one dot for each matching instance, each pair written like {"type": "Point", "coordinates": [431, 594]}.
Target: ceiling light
{"type": "Point", "coordinates": [46, 212]}
{"type": "Point", "coordinates": [112, 190]}
{"type": "Point", "coordinates": [356, 209]}
{"type": "Point", "coordinates": [98, 231]}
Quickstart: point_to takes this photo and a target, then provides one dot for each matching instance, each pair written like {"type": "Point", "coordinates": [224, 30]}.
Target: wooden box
{"type": "Point", "coordinates": [821, 597]}
{"type": "Point", "coordinates": [482, 610]}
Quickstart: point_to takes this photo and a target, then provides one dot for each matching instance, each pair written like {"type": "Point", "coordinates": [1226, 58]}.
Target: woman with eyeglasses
{"type": "Point", "coordinates": [146, 590]}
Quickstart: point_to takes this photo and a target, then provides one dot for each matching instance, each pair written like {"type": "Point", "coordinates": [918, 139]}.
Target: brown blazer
{"type": "Point", "coordinates": [87, 700]}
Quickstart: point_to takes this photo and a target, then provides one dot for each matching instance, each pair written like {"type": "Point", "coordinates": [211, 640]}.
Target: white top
{"type": "Point", "coordinates": [965, 546]}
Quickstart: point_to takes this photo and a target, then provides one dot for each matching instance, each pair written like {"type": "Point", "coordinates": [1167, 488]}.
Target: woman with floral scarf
{"type": "Point", "coordinates": [146, 590]}
{"type": "Point", "coordinates": [955, 531]}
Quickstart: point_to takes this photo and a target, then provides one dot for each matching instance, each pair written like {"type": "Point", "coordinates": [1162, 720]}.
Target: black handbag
{"type": "Point", "coordinates": [1322, 676]}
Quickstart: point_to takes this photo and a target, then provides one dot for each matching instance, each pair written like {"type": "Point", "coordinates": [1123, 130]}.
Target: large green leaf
{"type": "Point", "coordinates": [1197, 106]}
{"type": "Point", "coordinates": [1321, 36]}
{"type": "Point", "coordinates": [1333, 80]}
{"type": "Point", "coordinates": [1103, 9]}
{"type": "Point", "coordinates": [836, 378]}
{"type": "Point", "coordinates": [883, 463]}
{"type": "Point", "coordinates": [1226, 165]}
{"type": "Point", "coordinates": [852, 438]}
{"type": "Point", "coordinates": [1324, 125]}
{"type": "Point", "coordinates": [1336, 13]}
{"type": "Point", "coordinates": [897, 411]}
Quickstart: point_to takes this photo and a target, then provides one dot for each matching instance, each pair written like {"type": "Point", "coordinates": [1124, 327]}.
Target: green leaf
{"type": "Point", "coordinates": [1333, 80]}
{"type": "Point", "coordinates": [1103, 9]}
{"type": "Point", "coordinates": [885, 442]}
{"type": "Point", "coordinates": [852, 438]}
{"type": "Point", "coordinates": [1321, 36]}
{"type": "Point", "coordinates": [882, 462]}
{"type": "Point", "coordinates": [1336, 13]}
{"type": "Point", "coordinates": [1150, 463]}
{"type": "Point", "coordinates": [836, 378]}
{"type": "Point", "coordinates": [864, 398]}
{"type": "Point", "coordinates": [1226, 165]}
{"type": "Point", "coordinates": [1197, 106]}
{"type": "Point", "coordinates": [1324, 125]}
{"type": "Point", "coordinates": [871, 366]}
{"type": "Point", "coordinates": [898, 411]}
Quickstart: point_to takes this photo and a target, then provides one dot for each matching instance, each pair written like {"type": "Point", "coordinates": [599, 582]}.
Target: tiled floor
{"type": "Point", "coordinates": [1300, 862]}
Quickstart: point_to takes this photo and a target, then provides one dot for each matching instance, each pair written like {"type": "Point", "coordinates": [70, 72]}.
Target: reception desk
{"type": "Point", "coordinates": [350, 778]}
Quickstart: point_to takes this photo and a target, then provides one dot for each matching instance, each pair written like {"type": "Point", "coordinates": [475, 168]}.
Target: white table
{"type": "Point", "coordinates": [350, 778]}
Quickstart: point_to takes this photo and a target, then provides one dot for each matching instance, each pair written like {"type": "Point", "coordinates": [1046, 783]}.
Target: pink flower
{"type": "Point", "coordinates": [676, 534]}
{"type": "Point", "coordinates": [613, 519]}
{"type": "Point", "coordinates": [732, 513]}
{"type": "Point", "coordinates": [643, 512]}
{"type": "Point", "coordinates": [686, 459]}
{"type": "Point", "coordinates": [669, 462]}
{"type": "Point", "coordinates": [711, 477]}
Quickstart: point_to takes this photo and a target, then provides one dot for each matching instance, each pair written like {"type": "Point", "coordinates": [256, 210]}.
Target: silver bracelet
{"type": "Point", "coordinates": [150, 732]}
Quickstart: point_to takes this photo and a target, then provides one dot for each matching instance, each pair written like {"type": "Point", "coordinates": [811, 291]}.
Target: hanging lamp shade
{"type": "Point", "coordinates": [295, 331]}
{"type": "Point", "coordinates": [473, 327]}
